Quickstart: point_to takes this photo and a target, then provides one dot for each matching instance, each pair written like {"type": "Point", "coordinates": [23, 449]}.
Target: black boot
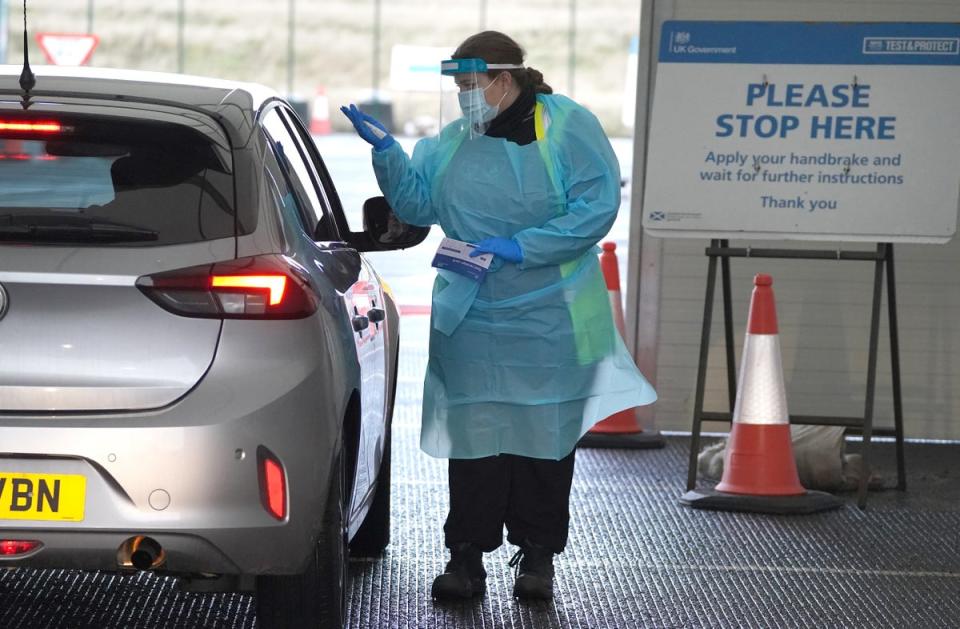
{"type": "Point", "coordinates": [535, 572]}
{"type": "Point", "coordinates": [464, 576]}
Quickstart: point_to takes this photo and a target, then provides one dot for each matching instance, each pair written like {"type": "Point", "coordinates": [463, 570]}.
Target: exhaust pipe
{"type": "Point", "coordinates": [141, 553]}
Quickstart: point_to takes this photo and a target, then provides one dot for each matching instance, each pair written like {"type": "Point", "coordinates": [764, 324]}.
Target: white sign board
{"type": "Point", "coordinates": [417, 69]}
{"type": "Point", "coordinates": [800, 130]}
{"type": "Point", "coordinates": [67, 49]}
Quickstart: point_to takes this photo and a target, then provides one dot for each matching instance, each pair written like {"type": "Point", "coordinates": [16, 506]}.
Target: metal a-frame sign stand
{"type": "Point", "coordinates": [883, 259]}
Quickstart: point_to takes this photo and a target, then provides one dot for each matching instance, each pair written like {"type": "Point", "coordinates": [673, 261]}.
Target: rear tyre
{"type": "Point", "coordinates": [373, 536]}
{"type": "Point", "coordinates": [316, 598]}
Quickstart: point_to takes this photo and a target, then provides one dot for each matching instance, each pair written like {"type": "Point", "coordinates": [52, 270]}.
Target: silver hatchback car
{"type": "Point", "coordinates": [197, 363]}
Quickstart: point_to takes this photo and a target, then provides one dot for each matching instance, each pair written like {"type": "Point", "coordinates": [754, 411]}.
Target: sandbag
{"type": "Point", "coordinates": [820, 454]}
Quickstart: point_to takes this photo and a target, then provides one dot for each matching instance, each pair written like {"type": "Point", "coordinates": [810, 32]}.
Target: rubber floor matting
{"type": "Point", "coordinates": [636, 558]}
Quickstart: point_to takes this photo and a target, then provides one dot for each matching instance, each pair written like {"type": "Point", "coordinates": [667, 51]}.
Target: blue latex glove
{"type": "Point", "coordinates": [369, 128]}
{"type": "Point", "coordinates": [506, 248]}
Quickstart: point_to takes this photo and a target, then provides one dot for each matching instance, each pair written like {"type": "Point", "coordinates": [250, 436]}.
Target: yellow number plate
{"type": "Point", "coordinates": [42, 496]}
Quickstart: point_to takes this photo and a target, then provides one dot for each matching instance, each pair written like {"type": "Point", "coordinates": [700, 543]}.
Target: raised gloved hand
{"type": "Point", "coordinates": [369, 128]}
{"type": "Point", "coordinates": [506, 248]}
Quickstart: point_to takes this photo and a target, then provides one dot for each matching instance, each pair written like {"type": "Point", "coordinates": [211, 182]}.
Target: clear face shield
{"type": "Point", "coordinates": [467, 101]}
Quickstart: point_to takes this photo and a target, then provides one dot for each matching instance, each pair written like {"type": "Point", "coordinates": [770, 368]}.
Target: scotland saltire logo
{"type": "Point", "coordinates": [657, 216]}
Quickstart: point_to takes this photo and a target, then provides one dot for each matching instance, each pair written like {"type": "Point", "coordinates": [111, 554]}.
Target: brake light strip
{"type": "Point", "coordinates": [39, 127]}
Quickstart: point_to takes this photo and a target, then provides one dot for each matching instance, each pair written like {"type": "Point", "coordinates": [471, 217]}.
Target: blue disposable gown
{"type": "Point", "coordinates": [528, 360]}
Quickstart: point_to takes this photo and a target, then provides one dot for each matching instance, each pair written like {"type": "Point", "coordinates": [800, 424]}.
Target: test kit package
{"type": "Point", "coordinates": [454, 255]}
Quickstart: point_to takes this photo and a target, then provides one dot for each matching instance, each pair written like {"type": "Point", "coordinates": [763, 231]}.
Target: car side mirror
{"type": "Point", "coordinates": [383, 231]}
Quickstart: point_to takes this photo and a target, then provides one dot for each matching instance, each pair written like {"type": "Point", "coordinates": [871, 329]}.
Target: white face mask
{"type": "Point", "coordinates": [475, 107]}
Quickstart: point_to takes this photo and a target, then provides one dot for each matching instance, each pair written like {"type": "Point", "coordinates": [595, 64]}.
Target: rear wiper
{"type": "Point", "coordinates": [74, 232]}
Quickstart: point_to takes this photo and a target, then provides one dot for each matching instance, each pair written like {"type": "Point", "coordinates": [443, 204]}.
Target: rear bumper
{"type": "Point", "coordinates": [90, 550]}
{"type": "Point", "coordinates": [201, 453]}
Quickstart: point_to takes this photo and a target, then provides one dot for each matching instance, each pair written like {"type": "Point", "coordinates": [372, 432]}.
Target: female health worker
{"type": "Point", "coordinates": [525, 360]}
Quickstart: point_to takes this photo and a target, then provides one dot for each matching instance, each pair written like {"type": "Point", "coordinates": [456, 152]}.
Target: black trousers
{"type": "Point", "coordinates": [530, 496]}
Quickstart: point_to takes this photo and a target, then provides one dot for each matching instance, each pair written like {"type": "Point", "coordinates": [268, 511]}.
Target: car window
{"type": "Point", "coordinates": [277, 185]}
{"type": "Point", "coordinates": [324, 181]}
{"type": "Point", "coordinates": [315, 218]}
{"type": "Point", "coordinates": [93, 180]}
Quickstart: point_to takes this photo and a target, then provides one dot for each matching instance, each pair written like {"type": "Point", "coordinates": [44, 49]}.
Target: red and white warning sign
{"type": "Point", "coordinates": [67, 49]}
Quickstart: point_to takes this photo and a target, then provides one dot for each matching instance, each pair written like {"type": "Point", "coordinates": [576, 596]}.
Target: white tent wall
{"type": "Point", "coordinates": [823, 306]}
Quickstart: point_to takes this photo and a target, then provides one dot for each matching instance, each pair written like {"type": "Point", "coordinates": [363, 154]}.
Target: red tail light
{"type": "Point", "coordinates": [273, 484]}
{"type": "Point", "coordinates": [13, 547]}
{"type": "Point", "coordinates": [260, 287]}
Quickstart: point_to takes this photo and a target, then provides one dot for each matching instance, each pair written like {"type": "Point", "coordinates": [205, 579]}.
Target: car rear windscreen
{"type": "Point", "coordinates": [111, 181]}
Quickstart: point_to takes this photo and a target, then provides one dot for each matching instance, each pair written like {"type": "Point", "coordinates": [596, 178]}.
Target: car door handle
{"type": "Point", "coordinates": [376, 314]}
{"type": "Point", "coordinates": [360, 323]}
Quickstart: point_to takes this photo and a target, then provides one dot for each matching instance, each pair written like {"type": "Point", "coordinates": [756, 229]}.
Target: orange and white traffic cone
{"type": "Point", "coordinates": [622, 429]}
{"type": "Point", "coordinates": [760, 473]}
{"type": "Point", "coordinates": [320, 113]}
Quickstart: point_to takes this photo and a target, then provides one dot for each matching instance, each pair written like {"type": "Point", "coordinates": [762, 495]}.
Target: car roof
{"type": "Point", "coordinates": [233, 102]}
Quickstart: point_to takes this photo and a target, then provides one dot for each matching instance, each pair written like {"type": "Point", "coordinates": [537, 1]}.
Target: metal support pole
{"type": "Point", "coordinates": [572, 61]}
{"type": "Point", "coordinates": [375, 83]}
{"type": "Point", "coordinates": [291, 33]}
{"type": "Point", "coordinates": [181, 22]}
{"type": "Point", "coordinates": [728, 327]}
{"type": "Point", "coordinates": [702, 368]}
{"type": "Point", "coordinates": [895, 368]}
{"type": "Point", "coordinates": [871, 375]}
{"type": "Point", "coordinates": [483, 15]}
{"type": "Point", "coordinates": [3, 31]}
{"type": "Point", "coordinates": [89, 16]}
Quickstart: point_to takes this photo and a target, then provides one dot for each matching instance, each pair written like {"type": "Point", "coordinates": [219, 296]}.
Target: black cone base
{"type": "Point", "coordinates": [633, 441]}
{"type": "Point", "coordinates": [810, 502]}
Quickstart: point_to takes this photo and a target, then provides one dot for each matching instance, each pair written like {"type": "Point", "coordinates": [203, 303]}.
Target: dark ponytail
{"type": "Point", "coordinates": [495, 47]}
{"type": "Point", "coordinates": [534, 78]}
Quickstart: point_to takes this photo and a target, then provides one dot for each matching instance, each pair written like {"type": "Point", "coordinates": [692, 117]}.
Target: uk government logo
{"type": "Point", "coordinates": [681, 43]}
{"type": "Point", "coordinates": [911, 45]}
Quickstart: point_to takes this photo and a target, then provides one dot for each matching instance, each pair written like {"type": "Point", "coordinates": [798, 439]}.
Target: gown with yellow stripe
{"type": "Point", "coordinates": [528, 360]}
